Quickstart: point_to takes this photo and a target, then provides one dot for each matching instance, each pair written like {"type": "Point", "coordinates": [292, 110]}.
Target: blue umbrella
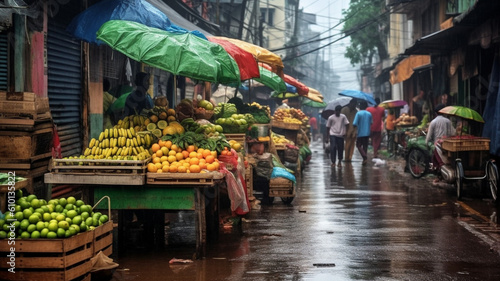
{"type": "Point", "coordinates": [87, 23]}
{"type": "Point", "coordinates": [358, 95]}
{"type": "Point", "coordinates": [290, 88]}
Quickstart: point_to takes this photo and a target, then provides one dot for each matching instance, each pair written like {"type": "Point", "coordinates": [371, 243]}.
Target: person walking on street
{"type": "Point", "coordinates": [337, 127]}
{"type": "Point", "coordinates": [378, 114]}
{"type": "Point", "coordinates": [390, 122]}
{"type": "Point", "coordinates": [362, 122]}
{"type": "Point", "coordinates": [313, 123]}
{"type": "Point", "coordinates": [350, 138]}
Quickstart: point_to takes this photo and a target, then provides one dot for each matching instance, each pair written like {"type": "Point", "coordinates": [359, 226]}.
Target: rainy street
{"type": "Point", "coordinates": [351, 223]}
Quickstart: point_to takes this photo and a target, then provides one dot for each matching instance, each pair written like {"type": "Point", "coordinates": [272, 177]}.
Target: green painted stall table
{"type": "Point", "coordinates": [171, 191]}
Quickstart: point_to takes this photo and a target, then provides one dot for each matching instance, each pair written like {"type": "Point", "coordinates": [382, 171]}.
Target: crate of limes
{"type": "Point", "coordinates": [52, 240]}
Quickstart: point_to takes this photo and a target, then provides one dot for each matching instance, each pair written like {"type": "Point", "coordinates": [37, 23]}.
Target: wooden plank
{"type": "Point", "coordinates": [17, 96]}
{"type": "Point", "coordinates": [78, 271]}
{"type": "Point", "coordinates": [95, 179]}
{"type": "Point", "coordinates": [103, 229]}
{"type": "Point", "coordinates": [77, 241]}
{"type": "Point", "coordinates": [146, 197]}
{"type": "Point", "coordinates": [210, 178]}
{"type": "Point", "coordinates": [78, 256]}
{"type": "Point", "coordinates": [103, 243]}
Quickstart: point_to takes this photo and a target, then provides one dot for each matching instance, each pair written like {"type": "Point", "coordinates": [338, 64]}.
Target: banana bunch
{"type": "Point", "coordinates": [190, 125]}
{"type": "Point", "coordinates": [256, 104]}
{"type": "Point", "coordinates": [292, 120]}
{"type": "Point", "coordinates": [131, 121]}
{"type": "Point", "coordinates": [279, 139]}
{"type": "Point", "coordinates": [116, 142]}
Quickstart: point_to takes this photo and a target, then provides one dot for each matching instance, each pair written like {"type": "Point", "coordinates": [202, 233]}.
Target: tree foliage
{"type": "Point", "coordinates": [366, 22]}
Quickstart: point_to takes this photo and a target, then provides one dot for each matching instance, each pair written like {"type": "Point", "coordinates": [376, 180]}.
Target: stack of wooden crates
{"type": "Point", "coordinates": [26, 137]}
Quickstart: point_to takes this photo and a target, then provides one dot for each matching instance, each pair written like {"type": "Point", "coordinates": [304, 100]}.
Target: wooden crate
{"type": "Point", "coordinates": [475, 144]}
{"type": "Point", "coordinates": [249, 180]}
{"type": "Point", "coordinates": [99, 167]}
{"type": "Point", "coordinates": [237, 137]}
{"type": "Point", "coordinates": [57, 259]}
{"type": "Point", "coordinates": [287, 126]}
{"type": "Point", "coordinates": [210, 178]}
{"type": "Point", "coordinates": [23, 105]}
{"type": "Point", "coordinates": [26, 145]}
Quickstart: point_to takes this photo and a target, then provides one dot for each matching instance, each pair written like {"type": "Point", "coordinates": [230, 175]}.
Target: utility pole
{"type": "Point", "coordinates": [242, 19]}
{"type": "Point", "coordinates": [294, 39]}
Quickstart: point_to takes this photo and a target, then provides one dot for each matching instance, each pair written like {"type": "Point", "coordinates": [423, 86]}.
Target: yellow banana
{"type": "Point", "coordinates": [132, 132]}
{"type": "Point", "coordinates": [135, 142]}
{"type": "Point", "coordinates": [129, 134]}
{"type": "Point", "coordinates": [115, 149]}
{"type": "Point", "coordinates": [108, 154]}
{"type": "Point", "coordinates": [125, 119]}
{"type": "Point", "coordinates": [106, 133]}
{"type": "Point", "coordinates": [119, 151]}
{"type": "Point", "coordinates": [101, 136]}
{"type": "Point", "coordinates": [115, 133]}
{"type": "Point", "coordinates": [134, 151]}
{"type": "Point", "coordinates": [128, 143]}
{"type": "Point", "coordinates": [92, 143]}
{"type": "Point", "coordinates": [93, 150]}
{"type": "Point", "coordinates": [87, 151]}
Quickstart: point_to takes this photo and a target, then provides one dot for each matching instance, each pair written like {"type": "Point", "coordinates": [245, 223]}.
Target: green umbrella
{"type": "Point", "coordinates": [181, 54]}
{"type": "Point", "coordinates": [119, 103]}
{"type": "Point", "coordinates": [463, 112]}
{"type": "Point", "coordinates": [285, 95]}
{"type": "Point", "coordinates": [311, 103]}
{"type": "Point", "coordinates": [271, 80]}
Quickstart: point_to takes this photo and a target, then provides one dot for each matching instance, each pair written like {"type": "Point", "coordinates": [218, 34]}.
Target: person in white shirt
{"type": "Point", "coordinates": [337, 127]}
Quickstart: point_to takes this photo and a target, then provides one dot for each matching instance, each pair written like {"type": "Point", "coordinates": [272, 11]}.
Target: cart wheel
{"type": "Point", "coordinates": [492, 176]}
{"type": "Point", "coordinates": [287, 200]}
{"type": "Point", "coordinates": [459, 181]}
{"type": "Point", "coordinates": [417, 163]}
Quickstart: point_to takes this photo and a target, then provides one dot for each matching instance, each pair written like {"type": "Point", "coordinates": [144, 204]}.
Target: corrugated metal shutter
{"type": "Point", "coordinates": [3, 62]}
{"type": "Point", "coordinates": [64, 87]}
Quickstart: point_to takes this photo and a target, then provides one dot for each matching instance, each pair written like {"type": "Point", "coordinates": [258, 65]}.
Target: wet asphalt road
{"type": "Point", "coordinates": [351, 223]}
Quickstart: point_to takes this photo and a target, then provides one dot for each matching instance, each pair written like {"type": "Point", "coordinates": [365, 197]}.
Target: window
{"type": "Point", "coordinates": [267, 15]}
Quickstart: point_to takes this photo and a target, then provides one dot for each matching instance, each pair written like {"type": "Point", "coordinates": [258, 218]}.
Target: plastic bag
{"type": "Point", "coordinates": [236, 192]}
{"type": "Point", "coordinates": [264, 165]}
{"type": "Point", "coordinates": [231, 161]}
{"type": "Point", "coordinates": [282, 173]}
{"type": "Point", "coordinates": [291, 154]}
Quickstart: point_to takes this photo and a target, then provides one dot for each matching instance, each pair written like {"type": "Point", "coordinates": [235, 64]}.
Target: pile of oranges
{"type": "Point", "coordinates": [169, 158]}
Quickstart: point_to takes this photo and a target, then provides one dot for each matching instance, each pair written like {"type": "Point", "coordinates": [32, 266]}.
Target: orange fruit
{"type": "Point", "coordinates": [163, 158]}
{"type": "Point", "coordinates": [191, 148]}
{"type": "Point", "coordinates": [165, 150]}
{"type": "Point", "coordinates": [159, 153]}
{"type": "Point", "coordinates": [172, 153]}
{"type": "Point", "coordinates": [211, 167]}
{"type": "Point", "coordinates": [199, 155]}
{"type": "Point", "coordinates": [185, 153]}
{"type": "Point", "coordinates": [203, 165]}
{"type": "Point", "coordinates": [179, 156]}
{"type": "Point", "coordinates": [193, 154]}
{"type": "Point", "coordinates": [194, 169]}
{"type": "Point", "coordinates": [173, 147]}
{"type": "Point", "coordinates": [210, 159]}
{"type": "Point", "coordinates": [171, 112]}
{"type": "Point", "coordinates": [153, 118]}
{"type": "Point", "coordinates": [206, 153]}
{"type": "Point", "coordinates": [216, 164]}
{"type": "Point", "coordinates": [165, 163]}
{"type": "Point", "coordinates": [224, 152]}
{"type": "Point", "coordinates": [168, 144]}
{"type": "Point", "coordinates": [161, 143]}
{"type": "Point", "coordinates": [194, 161]}
{"type": "Point", "coordinates": [155, 147]}
{"type": "Point", "coordinates": [214, 154]}
{"type": "Point", "coordinates": [172, 158]}
{"type": "Point", "coordinates": [163, 116]}
{"type": "Point", "coordinates": [186, 165]}
{"type": "Point", "coordinates": [156, 160]}
{"type": "Point", "coordinates": [158, 165]}
{"type": "Point", "coordinates": [166, 169]}
{"type": "Point", "coordinates": [159, 171]}
{"type": "Point", "coordinates": [173, 169]}
{"type": "Point", "coordinates": [182, 169]}
{"type": "Point", "coordinates": [200, 150]}
{"type": "Point", "coordinates": [152, 168]}
{"type": "Point", "coordinates": [229, 153]}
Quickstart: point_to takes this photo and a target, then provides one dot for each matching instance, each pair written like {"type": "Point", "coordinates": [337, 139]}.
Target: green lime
{"type": "Point", "coordinates": [64, 211]}
{"type": "Point", "coordinates": [25, 235]}
{"type": "Point", "coordinates": [51, 208]}
{"type": "Point", "coordinates": [77, 220]}
{"type": "Point", "coordinates": [44, 232]}
{"type": "Point", "coordinates": [9, 216]}
{"type": "Point", "coordinates": [31, 228]}
{"type": "Point", "coordinates": [60, 217]}
{"type": "Point", "coordinates": [71, 214]}
{"type": "Point", "coordinates": [54, 215]}
{"type": "Point", "coordinates": [71, 200]}
{"type": "Point", "coordinates": [39, 210]}
{"type": "Point", "coordinates": [89, 221]}
{"type": "Point", "coordinates": [72, 230]}
{"type": "Point", "coordinates": [40, 225]}
{"type": "Point", "coordinates": [59, 208]}
{"type": "Point", "coordinates": [43, 202]}
{"type": "Point", "coordinates": [45, 209]}
{"type": "Point", "coordinates": [19, 216]}
{"type": "Point", "coordinates": [79, 203]}
{"type": "Point", "coordinates": [3, 234]}
{"type": "Point", "coordinates": [6, 227]}
{"type": "Point", "coordinates": [67, 233]}
{"type": "Point", "coordinates": [53, 202]}
{"type": "Point", "coordinates": [27, 213]}
{"type": "Point", "coordinates": [85, 208]}
{"type": "Point", "coordinates": [19, 193]}
{"type": "Point", "coordinates": [69, 206]}
{"type": "Point", "coordinates": [51, 235]}
{"type": "Point", "coordinates": [33, 218]}
{"type": "Point", "coordinates": [35, 234]}
{"type": "Point", "coordinates": [18, 208]}
{"type": "Point", "coordinates": [61, 232]}
{"type": "Point", "coordinates": [63, 224]}
{"type": "Point", "coordinates": [69, 220]}
{"type": "Point", "coordinates": [96, 215]}
{"type": "Point", "coordinates": [24, 204]}
{"type": "Point", "coordinates": [17, 224]}
{"type": "Point", "coordinates": [2, 222]}
{"type": "Point", "coordinates": [95, 222]}
{"type": "Point", "coordinates": [76, 227]}
{"type": "Point", "coordinates": [30, 197]}
{"type": "Point", "coordinates": [103, 218]}
{"type": "Point", "coordinates": [83, 227]}
{"type": "Point", "coordinates": [63, 202]}
{"type": "Point", "coordinates": [53, 226]}
{"type": "Point", "coordinates": [47, 217]}
{"type": "Point", "coordinates": [24, 224]}
{"type": "Point", "coordinates": [35, 203]}
{"type": "Point", "coordinates": [85, 215]}
{"type": "Point", "coordinates": [91, 227]}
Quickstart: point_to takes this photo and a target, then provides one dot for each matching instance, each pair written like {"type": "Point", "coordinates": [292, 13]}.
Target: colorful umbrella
{"type": "Point", "coordinates": [314, 92]}
{"type": "Point", "coordinates": [181, 54]}
{"type": "Point", "coordinates": [358, 95]}
{"type": "Point", "coordinates": [312, 103]}
{"type": "Point", "coordinates": [392, 104]}
{"type": "Point", "coordinates": [285, 95]}
{"type": "Point", "coordinates": [86, 24]}
{"type": "Point", "coordinates": [463, 112]}
{"type": "Point", "coordinates": [302, 89]}
{"type": "Point", "coordinates": [330, 107]}
{"type": "Point", "coordinates": [261, 54]}
{"type": "Point", "coordinates": [271, 80]}
{"type": "Point", "coordinates": [246, 61]}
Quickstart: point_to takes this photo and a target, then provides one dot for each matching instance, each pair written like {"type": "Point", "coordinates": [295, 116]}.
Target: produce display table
{"type": "Point", "coordinates": [289, 130]}
{"type": "Point", "coordinates": [162, 192]}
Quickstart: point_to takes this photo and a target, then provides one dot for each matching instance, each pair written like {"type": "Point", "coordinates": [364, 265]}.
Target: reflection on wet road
{"type": "Point", "coordinates": [351, 223]}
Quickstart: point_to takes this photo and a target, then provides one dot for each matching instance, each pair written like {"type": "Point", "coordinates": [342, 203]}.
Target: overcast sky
{"type": "Point", "coordinates": [328, 14]}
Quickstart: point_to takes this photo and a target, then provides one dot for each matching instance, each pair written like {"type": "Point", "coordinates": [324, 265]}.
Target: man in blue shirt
{"type": "Point", "coordinates": [362, 122]}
